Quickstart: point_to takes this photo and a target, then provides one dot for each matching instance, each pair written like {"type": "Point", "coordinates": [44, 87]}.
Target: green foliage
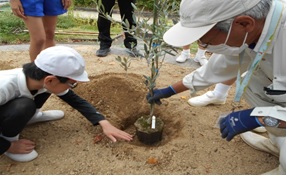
{"type": "Point", "coordinates": [146, 4]}
{"type": "Point", "coordinates": [154, 46]}
{"type": "Point", "coordinates": [151, 33]}
{"type": "Point", "coordinates": [13, 24]}
{"type": "Point", "coordinates": [11, 28]}
{"type": "Point", "coordinates": [149, 4]}
{"type": "Point", "coordinates": [125, 62]}
{"type": "Point", "coordinates": [67, 21]}
{"type": "Point", "coordinates": [85, 3]}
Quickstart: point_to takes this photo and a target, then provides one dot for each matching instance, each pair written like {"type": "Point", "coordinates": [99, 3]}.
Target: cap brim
{"type": "Point", "coordinates": [82, 78]}
{"type": "Point", "coordinates": [181, 36]}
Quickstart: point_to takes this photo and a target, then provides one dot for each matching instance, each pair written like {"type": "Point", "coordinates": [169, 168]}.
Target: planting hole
{"type": "Point", "coordinates": [121, 98]}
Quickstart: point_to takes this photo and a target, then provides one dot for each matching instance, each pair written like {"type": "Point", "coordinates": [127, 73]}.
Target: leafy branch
{"type": "Point", "coordinates": [150, 30]}
{"type": "Point", "coordinates": [125, 62]}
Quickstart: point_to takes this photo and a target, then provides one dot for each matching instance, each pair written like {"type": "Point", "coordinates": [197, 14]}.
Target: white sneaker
{"type": "Point", "coordinates": [19, 157]}
{"type": "Point", "coordinates": [201, 60]}
{"type": "Point", "coordinates": [206, 99]}
{"type": "Point", "coordinates": [260, 129]}
{"type": "Point", "coordinates": [182, 57]}
{"type": "Point", "coordinates": [22, 157]}
{"type": "Point", "coordinates": [42, 116]}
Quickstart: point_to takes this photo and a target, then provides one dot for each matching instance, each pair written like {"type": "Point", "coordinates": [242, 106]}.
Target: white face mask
{"type": "Point", "coordinates": [228, 50]}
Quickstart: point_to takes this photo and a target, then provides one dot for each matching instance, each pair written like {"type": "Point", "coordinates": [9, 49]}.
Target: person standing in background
{"type": "Point", "coordinates": [104, 27]}
{"type": "Point", "coordinates": [40, 17]}
{"type": "Point", "coordinates": [199, 56]}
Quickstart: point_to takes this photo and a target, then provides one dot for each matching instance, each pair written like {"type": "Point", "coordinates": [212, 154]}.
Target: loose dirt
{"type": "Point", "coordinates": [191, 143]}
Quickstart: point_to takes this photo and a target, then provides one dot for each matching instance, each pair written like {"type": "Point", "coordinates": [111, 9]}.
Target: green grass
{"type": "Point", "coordinates": [13, 30]}
{"type": "Point", "coordinates": [5, 7]}
{"type": "Point", "coordinates": [69, 29]}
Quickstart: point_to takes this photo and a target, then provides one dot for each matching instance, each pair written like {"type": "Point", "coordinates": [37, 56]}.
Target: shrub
{"type": "Point", "coordinates": [85, 3]}
{"type": "Point", "coordinates": [13, 24]}
{"type": "Point", "coordinates": [146, 4]}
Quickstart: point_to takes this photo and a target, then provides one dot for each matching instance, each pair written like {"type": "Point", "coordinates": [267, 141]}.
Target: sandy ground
{"type": "Point", "coordinates": [191, 143]}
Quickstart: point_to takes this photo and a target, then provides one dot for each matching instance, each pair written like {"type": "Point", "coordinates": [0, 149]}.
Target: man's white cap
{"type": "Point", "coordinates": [62, 61]}
{"type": "Point", "coordinates": [197, 17]}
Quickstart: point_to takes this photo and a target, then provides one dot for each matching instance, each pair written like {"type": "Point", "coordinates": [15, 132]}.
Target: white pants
{"type": "Point", "coordinates": [280, 143]}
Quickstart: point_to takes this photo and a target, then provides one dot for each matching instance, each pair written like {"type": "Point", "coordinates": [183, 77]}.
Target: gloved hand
{"type": "Point", "coordinates": [238, 122]}
{"type": "Point", "coordinates": [160, 93]}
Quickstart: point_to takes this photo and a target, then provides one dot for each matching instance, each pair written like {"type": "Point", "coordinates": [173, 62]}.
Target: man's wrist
{"type": "Point", "coordinates": [282, 124]}
{"type": "Point", "coordinates": [259, 120]}
{"type": "Point", "coordinates": [169, 91]}
{"type": "Point", "coordinates": [173, 89]}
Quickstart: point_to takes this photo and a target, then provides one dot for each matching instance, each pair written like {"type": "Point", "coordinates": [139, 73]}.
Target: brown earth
{"type": "Point", "coordinates": [191, 143]}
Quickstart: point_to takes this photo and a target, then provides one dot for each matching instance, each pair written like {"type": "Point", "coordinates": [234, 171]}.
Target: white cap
{"type": "Point", "coordinates": [62, 61]}
{"type": "Point", "coordinates": [197, 17]}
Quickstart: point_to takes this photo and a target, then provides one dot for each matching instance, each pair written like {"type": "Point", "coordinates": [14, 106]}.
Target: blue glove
{"type": "Point", "coordinates": [160, 93]}
{"type": "Point", "coordinates": [237, 122]}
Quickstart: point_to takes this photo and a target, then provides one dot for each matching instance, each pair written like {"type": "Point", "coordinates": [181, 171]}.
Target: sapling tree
{"type": "Point", "coordinates": [150, 31]}
{"type": "Point", "coordinates": [155, 49]}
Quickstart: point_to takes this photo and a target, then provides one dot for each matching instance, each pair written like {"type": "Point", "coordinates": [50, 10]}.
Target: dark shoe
{"type": "Point", "coordinates": [103, 52]}
{"type": "Point", "coordinates": [134, 52]}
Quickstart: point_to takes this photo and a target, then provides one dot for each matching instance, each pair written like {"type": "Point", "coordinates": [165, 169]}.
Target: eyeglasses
{"type": "Point", "coordinates": [205, 45]}
{"type": "Point", "coordinates": [201, 44]}
{"type": "Point", "coordinates": [72, 85]}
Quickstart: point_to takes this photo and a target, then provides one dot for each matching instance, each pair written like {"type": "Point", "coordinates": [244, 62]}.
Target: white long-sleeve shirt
{"type": "Point", "coordinates": [13, 85]}
{"type": "Point", "coordinates": [271, 73]}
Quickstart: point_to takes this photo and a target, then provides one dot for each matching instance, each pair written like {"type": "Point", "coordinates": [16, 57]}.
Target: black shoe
{"type": "Point", "coordinates": [134, 52]}
{"type": "Point", "coordinates": [103, 52]}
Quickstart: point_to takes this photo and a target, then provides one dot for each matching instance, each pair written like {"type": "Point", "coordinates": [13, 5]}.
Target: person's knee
{"type": "Point", "coordinates": [50, 34]}
{"type": "Point", "coordinates": [39, 41]}
{"type": "Point", "coordinates": [20, 111]}
{"type": "Point", "coordinates": [25, 106]}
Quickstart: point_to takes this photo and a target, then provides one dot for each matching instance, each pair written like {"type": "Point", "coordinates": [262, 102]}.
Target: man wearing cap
{"type": "Point", "coordinates": [24, 90]}
{"type": "Point", "coordinates": [248, 38]}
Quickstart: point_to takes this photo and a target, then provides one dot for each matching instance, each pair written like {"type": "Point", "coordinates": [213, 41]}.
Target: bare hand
{"type": "Point", "coordinates": [21, 146]}
{"type": "Point", "coordinates": [66, 3]}
{"type": "Point", "coordinates": [17, 8]}
{"type": "Point", "coordinates": [113, 132]}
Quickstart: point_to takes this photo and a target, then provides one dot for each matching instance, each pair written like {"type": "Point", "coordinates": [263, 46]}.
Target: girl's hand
{"type": "Point", "coordinates": [17, 8]}
{"type": "Point", "coordinates": [66, 3]}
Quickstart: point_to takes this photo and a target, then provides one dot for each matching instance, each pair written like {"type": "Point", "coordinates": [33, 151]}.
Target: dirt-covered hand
{"type": "Point", "coordinates": [237, 122]}
{"type": "Point", "coordinates": [159, 94]}
{"type": "Point", "coordinates": [113, 133]}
